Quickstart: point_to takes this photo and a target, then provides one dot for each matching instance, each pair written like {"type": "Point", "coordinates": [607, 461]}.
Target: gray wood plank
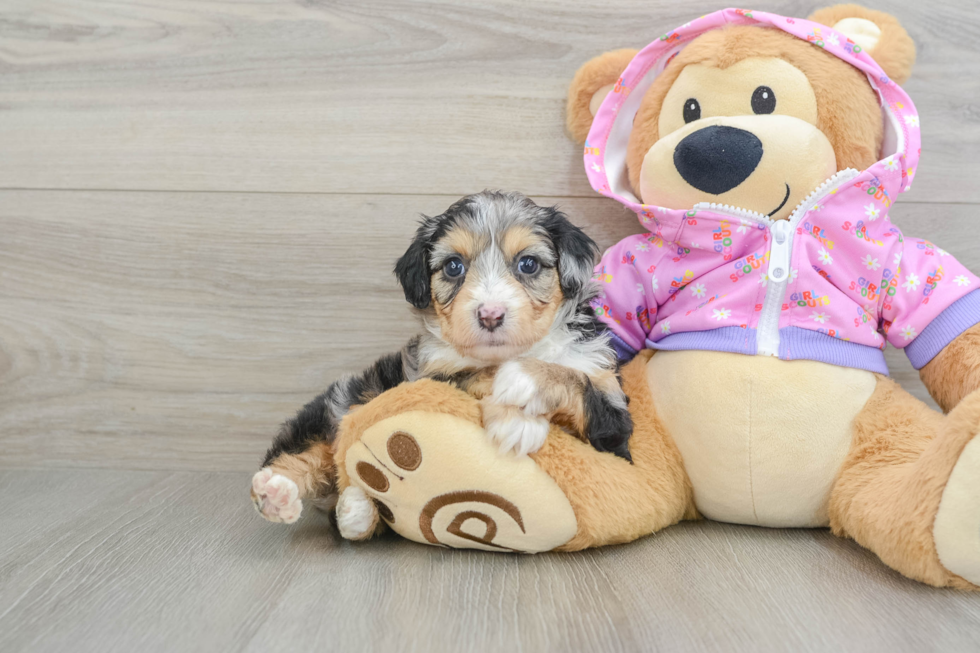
{"type": "Point", "coordinates": [177, 330]}
{"type": "Point", "coordinates": [371, 97]}
{"type": "Point", "coordinates": [107, 561]}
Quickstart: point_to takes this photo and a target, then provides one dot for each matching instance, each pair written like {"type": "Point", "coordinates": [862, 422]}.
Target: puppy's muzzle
{"type": "Point", "coordinates": [490, 316]}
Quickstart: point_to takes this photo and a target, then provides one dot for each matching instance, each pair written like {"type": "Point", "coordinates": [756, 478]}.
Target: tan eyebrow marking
{"type": "Point", "coordinates": [518, 238]}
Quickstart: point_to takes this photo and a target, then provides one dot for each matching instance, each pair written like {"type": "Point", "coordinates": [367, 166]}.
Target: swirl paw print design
{"type": "Point", "coordinates": [437, 479]}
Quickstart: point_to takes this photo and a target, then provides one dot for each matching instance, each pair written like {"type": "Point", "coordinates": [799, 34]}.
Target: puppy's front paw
{"type": "Point", "coordinates": [514, 429]}
{"type": "Point", "coordinates": [512, 386]}
{"type": "Point", "coordinates": [357, 516]}
{"type": "Point", "coordinates": [276, 497]}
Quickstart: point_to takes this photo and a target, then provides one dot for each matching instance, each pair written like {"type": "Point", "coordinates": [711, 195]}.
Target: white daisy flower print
{"type": "Point", "coordinates": [898, 259]}
{"type": "Point", "coordinates": [912, 121]}
{"type": "Point", "coordinates": [942, 252]}
{"type": "Point", "coordinates": [819, 317]}
{"type": "Point", "coordinates": [721, 314]}
{"type": "Point", "coordinates": [665, 327]}
{"type": "Point", "coordinates": [764, 280]}
{"type": "Point", "coordinates": [961, 280]}
{"type": "Point", "coordinates": [872, 212]}
{"type": "Point", "coordinates": [871, 263]}
{"type": "Point", "coordinates": [908, 332]}
{"type": "Point", "coordinates": [640, 289]}
{"type": "Point", "coordinates": [744, 227]}
{"type": "Point", "coordinates": [911, 282]}
{"type": "Point", "coordinates": [792, 275]}
{"type": "Point", "coordinates": [642, 247]}
{"type": "Point", "coordinates": [653, 283]}
{"type": "Point", "coordinates": [874, 333]}
{"type": "Point", "coordinates": [698, 290]}
{"type": "Point", "coordinates": [824, 257]}
{"type": "Point", "coordinates": [832, 39]}
{"type": "Point", "coordinates": [891, 164]}
{"type": "Point", "coordinates": [597, 167]}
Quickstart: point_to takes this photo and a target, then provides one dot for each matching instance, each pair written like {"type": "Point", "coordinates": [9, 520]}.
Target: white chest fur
{"type": "Point", "coordinates": [762, 439]}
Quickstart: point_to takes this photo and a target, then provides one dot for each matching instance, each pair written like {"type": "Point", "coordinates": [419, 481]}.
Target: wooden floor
{"type": "Point", "coordinates": [200, 205]}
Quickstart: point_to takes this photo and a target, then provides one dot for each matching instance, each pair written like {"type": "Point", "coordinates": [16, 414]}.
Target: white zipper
{"type": "Point", "coordinates": [780, 255]}
{"type": "Point", "coordinates": [767, 332]}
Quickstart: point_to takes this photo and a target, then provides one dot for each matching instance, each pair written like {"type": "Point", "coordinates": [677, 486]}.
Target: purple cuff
{"type": "Point", "coordinates": [957, 318]}
{"type": "Point", "coordinates": [624, 353]}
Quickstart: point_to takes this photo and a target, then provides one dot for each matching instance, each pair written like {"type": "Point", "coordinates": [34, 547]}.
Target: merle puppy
{"type": "Point", "coordinates": [502, 287]}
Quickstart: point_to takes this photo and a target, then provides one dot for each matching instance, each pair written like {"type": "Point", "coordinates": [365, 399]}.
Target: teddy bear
{"type": "Point", "coordinates": [761, 154]}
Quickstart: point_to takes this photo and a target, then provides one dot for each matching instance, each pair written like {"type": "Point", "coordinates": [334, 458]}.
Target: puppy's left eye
{"type": "Point", "coordinates": [528, 265]}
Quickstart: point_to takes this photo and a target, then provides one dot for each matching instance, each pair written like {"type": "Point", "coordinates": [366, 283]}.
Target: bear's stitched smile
{"type": "Point", "coordinates": [782, 204]}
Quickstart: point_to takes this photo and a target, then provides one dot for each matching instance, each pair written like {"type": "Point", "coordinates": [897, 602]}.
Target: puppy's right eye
{"type": "Point", "coordinates": [692, 110]}
{"type": "Point", "coordinates": [453, 268]}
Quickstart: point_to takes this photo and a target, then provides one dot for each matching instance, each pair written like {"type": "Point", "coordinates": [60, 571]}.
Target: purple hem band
{"type": "Point", "coordinates": [954, 320]}
{"type": "Point", "coordinates": [624, 353]}
{"type": "Point", "coordinates": [734, 340]}
{"type": "Point", "coordinates": [796, 343]}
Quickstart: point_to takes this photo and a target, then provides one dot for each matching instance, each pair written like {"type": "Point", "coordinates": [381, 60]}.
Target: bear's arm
{"type": "Point", "coordinates": [955, 371]}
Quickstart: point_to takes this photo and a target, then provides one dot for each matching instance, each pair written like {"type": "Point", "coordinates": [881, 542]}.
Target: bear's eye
{"type": "Point", "coordinates": [763, 100]}
{"type": "Point", "coordinates": [692, 110]}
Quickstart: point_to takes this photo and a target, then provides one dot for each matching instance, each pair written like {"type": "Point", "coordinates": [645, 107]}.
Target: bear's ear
{"type": "Point", "coordinates": [878, 33]}
{"type": "Point", "coordinates": [592, 83]}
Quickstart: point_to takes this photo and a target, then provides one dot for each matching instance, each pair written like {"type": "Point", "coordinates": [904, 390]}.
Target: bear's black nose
{"type": "Point", "coordinates": [716, 159]}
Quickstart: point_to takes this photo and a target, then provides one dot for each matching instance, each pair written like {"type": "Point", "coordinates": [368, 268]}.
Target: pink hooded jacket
{"type": "Point", "coordinates": [831, 284]}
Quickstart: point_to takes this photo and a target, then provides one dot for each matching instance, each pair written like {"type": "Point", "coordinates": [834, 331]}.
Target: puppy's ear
{"type": "Point", "coordinates": [589, 88]}
{"type": "Point", "coordinates": [412, 269]}
{"type": "Point", "coordinates": [878, 33]}
{"type": "Point", "coordinates": [577, 253]}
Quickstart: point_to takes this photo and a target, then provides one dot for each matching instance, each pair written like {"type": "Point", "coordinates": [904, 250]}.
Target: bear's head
{"type": "Point", "coordinates": [751, 116]}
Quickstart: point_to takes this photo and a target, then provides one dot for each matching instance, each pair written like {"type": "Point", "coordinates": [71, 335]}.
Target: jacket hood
{"type": "Point", "coordinates": [606, 145]}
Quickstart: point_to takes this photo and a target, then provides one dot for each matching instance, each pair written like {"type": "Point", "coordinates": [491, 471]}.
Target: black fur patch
{"type": "Point", "coordinates": [607, 427]}
{"type": "Point", "coordinates": [412, 269]}
{"type": "Point", "coordinates": [315, 422]}
{"type": "Point", "coordinates": [586, 324]}
{"type": "Point", "coordinates": [577, 253]}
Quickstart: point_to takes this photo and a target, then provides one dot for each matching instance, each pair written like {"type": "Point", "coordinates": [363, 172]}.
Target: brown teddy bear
{"type": "Point", "coordinates": [767, 400]}
{"type": "Point", "coordinates": [805, 130]}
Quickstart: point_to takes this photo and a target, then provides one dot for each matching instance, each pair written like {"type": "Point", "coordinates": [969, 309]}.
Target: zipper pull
{"type": "Point", "coordinates": [779, 251]}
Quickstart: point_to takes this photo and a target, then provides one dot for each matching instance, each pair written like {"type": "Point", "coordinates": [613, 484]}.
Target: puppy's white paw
{"type": "Point", "coordinates": [515, 430]}
{"type": "Point", "coordinates": [512, 386]}
{"type": "Point", "coordinates": [357, 515]}
{"type": "Point", "coordinates": [276, 497]}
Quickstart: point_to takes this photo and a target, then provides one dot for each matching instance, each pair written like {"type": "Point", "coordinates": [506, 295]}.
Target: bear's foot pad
{"type": "Point", "coordinates": [439, 479]}
{"type": "Point", "coordinates": [956, 530]}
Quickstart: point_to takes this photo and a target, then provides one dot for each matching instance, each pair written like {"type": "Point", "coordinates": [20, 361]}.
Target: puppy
{"type": "Point", "coordinates": [502, 287]}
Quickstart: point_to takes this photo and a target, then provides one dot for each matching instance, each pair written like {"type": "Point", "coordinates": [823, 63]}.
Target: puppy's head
{"type": "Point", "coordinates": [495, 270]}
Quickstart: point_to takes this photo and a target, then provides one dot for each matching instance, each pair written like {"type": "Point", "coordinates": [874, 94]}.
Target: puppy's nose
{"type": "Point", "coordinates": [716, 159]}
{"type": "Point", "coordinates": [491, 316]}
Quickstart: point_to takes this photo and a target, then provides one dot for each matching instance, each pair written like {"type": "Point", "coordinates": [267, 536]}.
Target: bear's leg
{"type": "Point", "coordinates": [893, 487]}
{"type": "Point", "coordinates": [420, 453]}
{"type": "Point", "coordinates": [616, 501]}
